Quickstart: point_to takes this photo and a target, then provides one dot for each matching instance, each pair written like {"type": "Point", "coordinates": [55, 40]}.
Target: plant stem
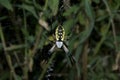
{"type": "Point", "coordinates": [112, 24]}
{"type": "Point", "coordinates": [8, 58]}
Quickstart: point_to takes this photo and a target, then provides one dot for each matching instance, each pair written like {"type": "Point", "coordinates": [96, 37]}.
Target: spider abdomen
{"type": "Point", "coordinates": [60, 33]}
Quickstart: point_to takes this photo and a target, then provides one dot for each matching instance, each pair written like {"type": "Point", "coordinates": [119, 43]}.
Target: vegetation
{"type": "Point", "coordinates": [92, 29]}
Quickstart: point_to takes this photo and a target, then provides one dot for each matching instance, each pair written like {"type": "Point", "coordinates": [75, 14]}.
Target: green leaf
{"type": "Point", "coordinates": [81, 17]}
{"type": "Point", "coordinates": [6, 4]}
{"type": "Point", "coordinates": [71, 11]}
{"type": "Point", "coordinates": [30, 9]}
{"type": "Point", "coordinates": [104, 34]}
{"type": "Point", "coordinates": [53, 5]}
{"type": "Point", "coordinates": [90, 25]}
{"type": "Point", "coordinates": [109, 44]}
{"type": "Point", "coordinates": [67, 25]}
{"type": "Point", "coordinates": [88, 10]}
{"type": "Point", "coordinates": [96, 1]}
{"type": "Point", "coordinates": [78, 52]}
{"type": "Point", "coordinates": [86, 33]}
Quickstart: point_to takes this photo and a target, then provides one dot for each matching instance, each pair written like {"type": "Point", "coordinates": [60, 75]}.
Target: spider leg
{"type": "Point", "coordinates": [49, 53]}
{"type": "Point", "coordinates": [72, 59]}
{"type": "Point", "coordinates": [52, 49]}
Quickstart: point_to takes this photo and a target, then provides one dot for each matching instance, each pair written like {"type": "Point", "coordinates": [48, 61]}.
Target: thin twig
{"type": "Point", "coordinates": [8, 58]}
{"type": "Point", "coordinates": [33, 51]}
{"type": "Point", "coordinates": [66, 4]}
{"type": "Point", "coordinates": [25, 68]}
{"type": "Point", "coordinates": [15, 47]}
{"type": "Point", "coordinates": [17, 58]}
{"type": "Point", "coordinates": [37, 42]}
{"type": "Point", "coordinates": [84, 61]}
{"type": "Point", "coordinates": [39, 33]}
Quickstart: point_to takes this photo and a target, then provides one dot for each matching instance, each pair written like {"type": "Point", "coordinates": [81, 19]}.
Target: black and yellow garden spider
{"type": "Point", "coordinates": [60, 43]}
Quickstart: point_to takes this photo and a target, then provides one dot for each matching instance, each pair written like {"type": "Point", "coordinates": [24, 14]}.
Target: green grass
{"type": "Point", "coordinates": [92, 31]}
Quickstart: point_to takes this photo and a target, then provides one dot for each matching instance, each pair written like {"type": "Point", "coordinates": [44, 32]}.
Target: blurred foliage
{"type": "Point", "coordinates": [92, 30]}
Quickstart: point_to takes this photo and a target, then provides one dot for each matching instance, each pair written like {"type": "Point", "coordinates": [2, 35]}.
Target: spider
{"type": "Point", "coordinates": [59, 43]}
